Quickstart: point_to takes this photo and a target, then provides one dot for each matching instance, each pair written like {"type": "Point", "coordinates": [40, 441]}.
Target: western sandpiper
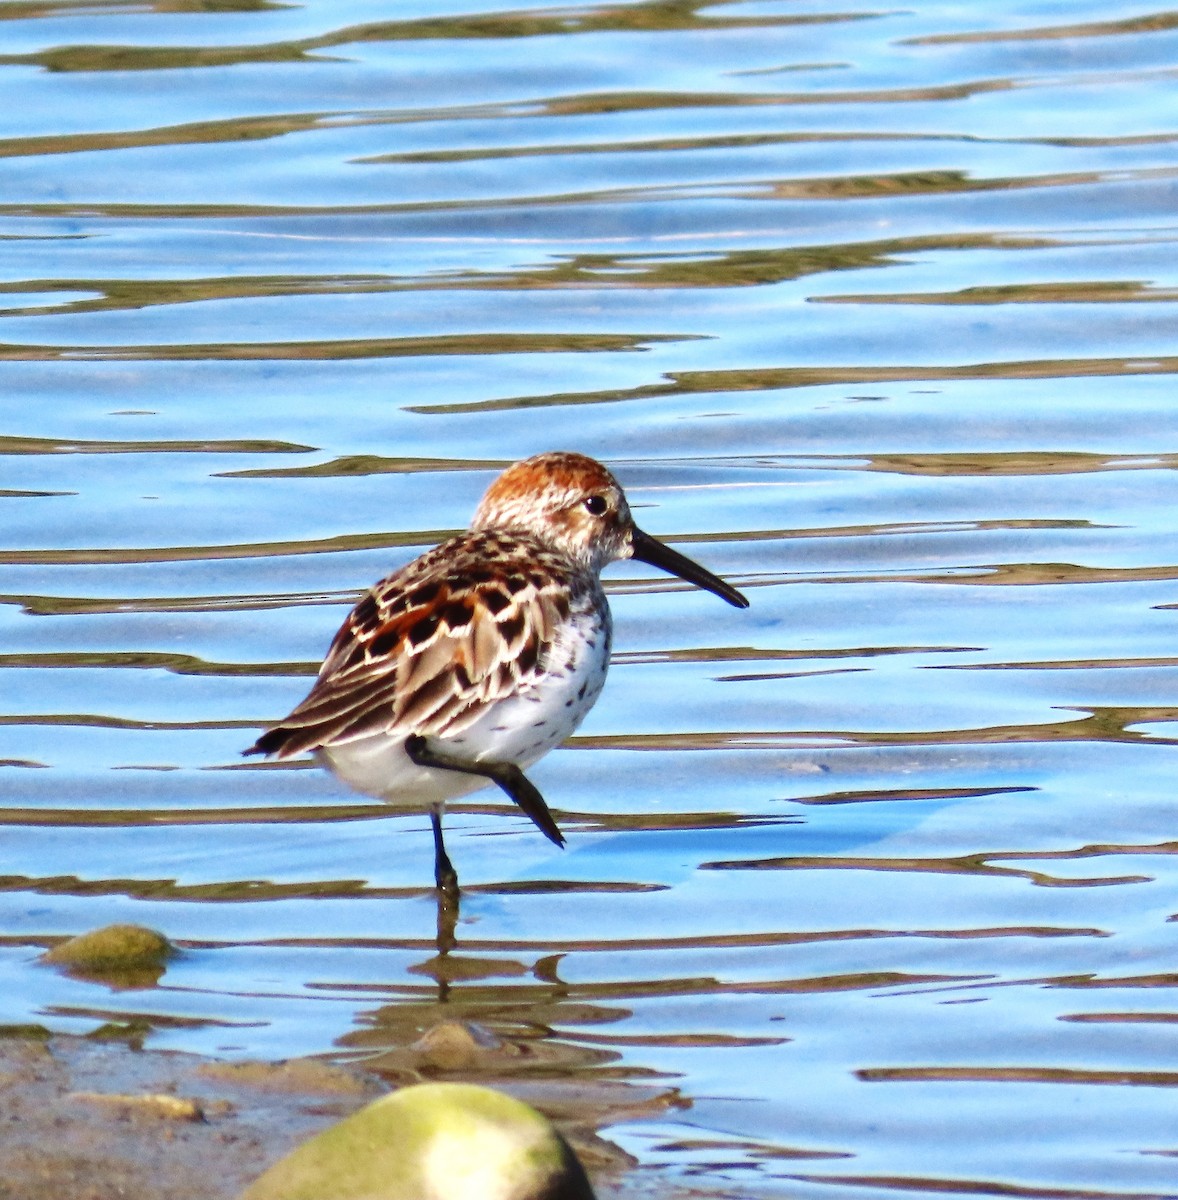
{"type": "Point", "coordinates": [469, 664]}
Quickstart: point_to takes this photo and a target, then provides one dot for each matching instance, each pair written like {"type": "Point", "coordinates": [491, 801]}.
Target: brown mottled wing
{"type": "Point", "coordinates": [430, 647]}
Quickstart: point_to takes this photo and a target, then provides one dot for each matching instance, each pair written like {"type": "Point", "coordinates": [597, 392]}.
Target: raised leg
{"type": "Point", "coordinates": [507, 775]}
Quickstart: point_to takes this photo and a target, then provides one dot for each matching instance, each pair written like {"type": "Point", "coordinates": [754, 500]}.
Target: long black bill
{"type": "Point", "coordinates": [647, 550]}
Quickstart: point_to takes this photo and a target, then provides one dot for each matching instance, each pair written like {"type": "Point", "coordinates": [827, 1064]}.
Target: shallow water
{"type": "Point", "coordinates": [868, 889]}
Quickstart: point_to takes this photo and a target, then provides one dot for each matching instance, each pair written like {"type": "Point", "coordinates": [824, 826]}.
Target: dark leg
{"type": "Point", "coordinates": [444, 874]}
{"type": "Point", "coordinates": [507, 775]}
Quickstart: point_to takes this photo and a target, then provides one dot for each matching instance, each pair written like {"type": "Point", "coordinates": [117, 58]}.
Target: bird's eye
{"type": "Point", "coordinates": [597, 505]}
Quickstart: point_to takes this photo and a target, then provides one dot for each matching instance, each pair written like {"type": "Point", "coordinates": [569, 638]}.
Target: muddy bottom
{"type": "Point", "coordinates": [95, 1120]}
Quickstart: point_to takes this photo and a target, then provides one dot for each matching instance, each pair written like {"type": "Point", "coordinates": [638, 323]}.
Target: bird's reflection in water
{"type": "Point", "coordinates": [447, 938]}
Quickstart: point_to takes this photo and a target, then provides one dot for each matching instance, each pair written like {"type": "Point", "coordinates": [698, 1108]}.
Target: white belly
{"type": "Point", "coordinates": [518, 729]}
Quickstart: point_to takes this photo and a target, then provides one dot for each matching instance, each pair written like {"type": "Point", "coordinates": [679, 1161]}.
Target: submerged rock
{"type": "Point", "coordinates": [150, 1104]}
{"type": "Point", "coordinates": [129, 956]}
{"type": "Point", "coordinates": [457, 1046]}
{"type": "Point", "coordinates": [432, 1141]}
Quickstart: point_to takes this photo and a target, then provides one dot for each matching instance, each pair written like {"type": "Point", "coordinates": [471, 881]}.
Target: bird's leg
{"type": "Point", "coordinates": [507, 775]}
{"type": "Point", "coordinates": [444, 874]}
{"type": "Point", "coordinates": [448, 900]}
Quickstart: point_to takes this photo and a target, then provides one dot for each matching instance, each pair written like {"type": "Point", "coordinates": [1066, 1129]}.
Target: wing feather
{"type": "Point", "coordinates": [430, 647]}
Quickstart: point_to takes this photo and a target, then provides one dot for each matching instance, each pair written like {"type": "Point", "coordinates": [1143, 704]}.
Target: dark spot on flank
{"type": "Point", "coordinates": [560, 602]}
{"type": "Point", "coordinates": [398, 604]}
{"type": "Point", "coordinates": [516, 584]}
{"type": "Point", "coordinates": [537, 581]}
{"type": "Point", "coordinates": [496, 602]}
{"type": "Point", "coordinates": [480, 575]}
{"type": "Point", "coordinates": [462, 677]}
{"type": "Point", "coordinates": [426, 594]}
{"type": "Point", "coordinates": [456, 614]}
{"type": "Point", "coordinates": [421, 631]}
{"type": "Point", "coordinates": [385, 642]}
{"type": "Point", "coordinates": [581, 691]}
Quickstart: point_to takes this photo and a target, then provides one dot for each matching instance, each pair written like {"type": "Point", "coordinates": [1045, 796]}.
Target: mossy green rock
{"type": "Point", "coordinates": [120, 955]}
{"type": "Point", "coordinates": [433, 1141]}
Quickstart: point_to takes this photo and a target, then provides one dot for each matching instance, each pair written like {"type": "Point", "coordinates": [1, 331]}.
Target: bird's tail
{"type": "Point", "coordinates": [273, 742]}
